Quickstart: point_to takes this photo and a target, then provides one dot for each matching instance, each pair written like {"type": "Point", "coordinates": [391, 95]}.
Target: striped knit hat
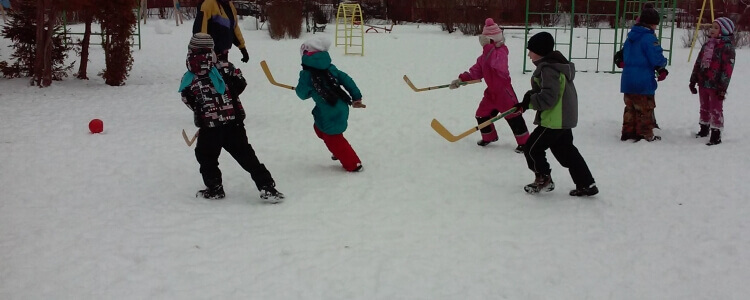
{"type": "Point", "coordinates": [201, 41]}
{"type": "Point", "coordinates": [726, 25]}
{"type": "Point", "coordinates": [492, 31]}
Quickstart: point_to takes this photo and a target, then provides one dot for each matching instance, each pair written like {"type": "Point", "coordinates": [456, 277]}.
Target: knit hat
{"type": "Point", "coordinates": [201, 41]}
{"type": "Point", "coordinates": [492, 31]}
{"type": "Point", "coordinates": [726, 25]}
{"type": "Point", "coordinates": [541, 43]}
{"type": "Point", "coordinates": [649, 15]}
{"type": "Point", "coordinates": [316, 44]}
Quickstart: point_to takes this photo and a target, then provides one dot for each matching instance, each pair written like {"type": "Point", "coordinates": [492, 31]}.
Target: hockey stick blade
{"type": "Point", "coordinates": [189, 141]}
{"type": "Point", "coordinates": [442, 131]}
{"type": "Point", "coordinates": [267, 71]}
{"type": "Point", "coordinates": [411, 85]}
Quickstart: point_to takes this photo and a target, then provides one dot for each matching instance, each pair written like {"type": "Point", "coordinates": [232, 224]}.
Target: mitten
{"type": "Point", "coordinates": [693, 90]}
{"type": "Point", "coordinates": [456, 83]}
{"type": "Point", "coordinates": [465, 76]}
{"type": "Point", "coordinates": [245, 56]}
{"type": "Point", "coordinates": [523, 105]}
{"type": "Point", "coordinates": [662, 74]}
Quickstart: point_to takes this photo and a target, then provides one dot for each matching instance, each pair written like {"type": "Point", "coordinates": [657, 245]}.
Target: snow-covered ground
{"type": "Point", "coordinates": [113, 215]}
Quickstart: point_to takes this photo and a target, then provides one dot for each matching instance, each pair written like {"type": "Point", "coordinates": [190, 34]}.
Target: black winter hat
{"type": "Point", "coordinates": [649, 15]}
{"type": "Point", "coordinates": [541, 43]}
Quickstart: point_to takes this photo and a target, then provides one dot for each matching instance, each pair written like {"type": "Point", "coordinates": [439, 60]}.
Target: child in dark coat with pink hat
{"type": "Point", "coordinates": [492, 66]}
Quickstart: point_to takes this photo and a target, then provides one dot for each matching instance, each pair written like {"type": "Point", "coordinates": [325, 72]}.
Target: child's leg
{"type": "Point", "coordinates": [486, 111]}
{"type": "Point", "coordinates": [207, 153]}
{"type": "Point", "coordinates": [646, 120]}
{"type": "Point", "coordinates": [715, 109]}
{"type": "Point", "coordinates": [568, 155]}
{"type": "Point", "coordinates": [340, 148]}
{"type": "Point", "coordinates": [705, 105]}
{"type": "Point", "coordinates": [628, 116]}
{"type": "Point", "coordinates": [237, 145]}
{"type": "Point", "coordinates": [539, 141]}
{"type": "Point", "coordinates": [518, 126]}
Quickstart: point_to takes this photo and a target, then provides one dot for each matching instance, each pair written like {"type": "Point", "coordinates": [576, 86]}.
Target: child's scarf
{"type": "Point", "coordinates": [708, 53]}
{"type": "Point", "coordinates": [215, 76]}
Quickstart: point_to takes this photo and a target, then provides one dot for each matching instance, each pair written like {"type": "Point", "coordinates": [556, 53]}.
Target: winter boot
{"type": "Point", "coordinates": [270, 195]}
{"type": "Point", "coordinates": [519, 149]}
{"type": "Point", "coordinates": [214, 193]}
{"type": "Point", "coordinates": [542, 183]}
{"type": "Point", "coordinates": [703, 132]}
{"type": "Point", "coordinates": [627, 136]}
{"type": "Point", "coordinates": [334, 157]}
{"type": "Point", "coordinates": [585, 191]}
{"type": "Point", "coordinates": [483, 143]}
{"type": "Point", "coordinates": [715, 138]}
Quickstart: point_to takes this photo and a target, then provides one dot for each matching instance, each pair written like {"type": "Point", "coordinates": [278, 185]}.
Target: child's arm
{"type": "Point", "coordinates": [726, 68]}
{"type": "Point", "coordinates": [347, 82]}
{"type": "Point", "coordinates": [695, 75]}
{"type": "Point", "coordinates": [549, 84]}
{"type": "Point", "coordinates": [654, 52]}
{"type": "Point", "coordinates": [500, 64]}
{"type": "Point", "coordinates": [188, 98]}
{"type": "Point", "coordinates": [304, 88]}
{"type": "Point", "coordinates": [234, 79]}
{"type": "Point", "coordinates": [474, 73]}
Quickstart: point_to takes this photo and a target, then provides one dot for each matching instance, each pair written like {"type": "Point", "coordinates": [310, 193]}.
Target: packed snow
{"type": "Point", "coordinates": [114, 215]}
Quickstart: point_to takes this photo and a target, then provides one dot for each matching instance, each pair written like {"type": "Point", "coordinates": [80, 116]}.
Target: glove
{"type": "Point", "coordinates": [721, 95]}
{"type": "Point", "coordinates": [693, 90]}
{"type": "Point", "coordinates": [662, 74]}
{"type": "Point", "coordinates": [245, 56]}
{"type": "Point", "coordinates": [358, 104]}
{"type": "Point", "coordinates": [465, 76]}
{"type": "Point", "coordinates": [456, 83]}
{"type": "Point", "coordinates": [523, 105]}
{"type": "Point", "coordinates": [621, 64]}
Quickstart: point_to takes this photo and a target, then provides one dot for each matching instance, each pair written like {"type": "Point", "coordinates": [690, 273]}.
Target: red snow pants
{"type": "Point", "coordinates": [340, 148]}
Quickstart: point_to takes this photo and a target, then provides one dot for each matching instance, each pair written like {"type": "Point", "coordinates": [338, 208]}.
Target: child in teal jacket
{"type": "Point", "coordinates": [322, 81]}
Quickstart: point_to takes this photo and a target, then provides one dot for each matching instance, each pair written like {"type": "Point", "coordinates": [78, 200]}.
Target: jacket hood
{"type": "Point", "coordinates": [638, 31]}
{"type": "Point", "coordinates": [557, 61]}
{"type": "Point", "coordinates": [318, 60]}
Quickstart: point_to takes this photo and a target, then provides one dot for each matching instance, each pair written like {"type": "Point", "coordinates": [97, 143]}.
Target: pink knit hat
{"type": "Point", "coordinates": [492, 31]}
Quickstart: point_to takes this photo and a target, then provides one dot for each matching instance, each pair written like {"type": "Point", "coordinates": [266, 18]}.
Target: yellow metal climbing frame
{"type": "Point", "coordinates": [349, 28]}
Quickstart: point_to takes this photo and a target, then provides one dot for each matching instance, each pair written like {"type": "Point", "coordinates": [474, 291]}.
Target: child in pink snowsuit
{"type": "Point", "coordinates": [492, 66]}
{"type": "Point", "coordinates": [711, 73]}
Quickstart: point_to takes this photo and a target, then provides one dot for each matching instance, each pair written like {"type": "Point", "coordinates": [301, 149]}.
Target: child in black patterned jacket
{"type": "Point", "coordinates": [212, 91]}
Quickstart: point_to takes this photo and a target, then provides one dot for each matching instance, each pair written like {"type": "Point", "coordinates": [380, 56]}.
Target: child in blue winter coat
{"type": "Point", "coordinates": [643, 59]}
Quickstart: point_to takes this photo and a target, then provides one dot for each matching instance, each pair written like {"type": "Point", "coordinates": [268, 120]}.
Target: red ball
{"type": "Point", "coordinates": [96, 126]}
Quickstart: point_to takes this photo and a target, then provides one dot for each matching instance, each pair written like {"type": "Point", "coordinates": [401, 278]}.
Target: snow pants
{"type": "Point", "coordinates": [491, 106]}
{"type": "Point", "coordinates": [712, 109]}
{"type": "Point", "coordinates": [340, 148]}
{"type": "Point", "coordinates": [638, 118]}
{"type": "Point", "coordinates": [233, 138]}
{"type": "Point", "coordinates": [560, 142]}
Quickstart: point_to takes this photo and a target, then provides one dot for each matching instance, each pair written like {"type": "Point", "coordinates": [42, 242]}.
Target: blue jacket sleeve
{"type": "Point", "coordinates": [654, 52]}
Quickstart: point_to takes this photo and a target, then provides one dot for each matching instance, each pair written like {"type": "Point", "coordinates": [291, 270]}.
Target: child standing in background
{"type": "Point", "coordinates": [492, 66]}
{"type": "Point", "coordinates": [322, 81]}
{"type": "Point", "coordinates": [643, 59]}
{"type": "Point", "coordinates": [712, 72]}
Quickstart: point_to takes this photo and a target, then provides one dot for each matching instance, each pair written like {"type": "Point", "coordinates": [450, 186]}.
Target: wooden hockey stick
{"type": "Point", "coordinates": [266, 70]}
{"type": "Point", "coordinates": [411, 85]}
{"type": "Point", "coordinates": [189, 141]}
{"type": "Point", "coordinates": [440, 129]}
